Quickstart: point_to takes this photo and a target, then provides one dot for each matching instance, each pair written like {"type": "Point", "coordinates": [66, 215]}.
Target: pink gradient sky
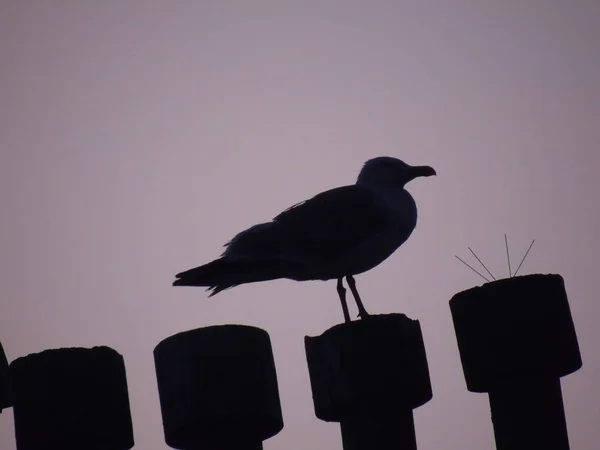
{"type": "Point", "coordinates": [137, 137]}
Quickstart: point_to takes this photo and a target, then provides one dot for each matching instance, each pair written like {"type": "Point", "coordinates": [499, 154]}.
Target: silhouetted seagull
{"type": "Point", "coordinates": [338, 233]}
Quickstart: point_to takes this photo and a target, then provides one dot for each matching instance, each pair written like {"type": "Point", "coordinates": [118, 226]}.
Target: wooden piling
{"type": "Point", "coordinates": [218, 388]}
{"type": "Point", "coordinates": [369, 375]}
{"type": "Point", "coordinates": [516, 339]}
{"type": "Point", "coordinates": [71, 399]}
{"type": "Point", "coordinates": [5, 397]}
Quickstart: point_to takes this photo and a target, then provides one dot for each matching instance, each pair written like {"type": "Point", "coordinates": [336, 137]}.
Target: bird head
{"type": "Point", "coordinates": [388, 172]}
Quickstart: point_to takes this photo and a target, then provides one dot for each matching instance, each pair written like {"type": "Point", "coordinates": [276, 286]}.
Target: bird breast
{"type": "Point", "coordinates": [373, 251]}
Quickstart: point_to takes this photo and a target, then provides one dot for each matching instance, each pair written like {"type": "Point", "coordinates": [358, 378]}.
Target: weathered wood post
{"type": "Point", "coordinates": [71, 399]}
{"type": "Point", "coordinates": [369, 375]}
{"type": "Point", "coordinates": [516, 339]}
{"type": "Point", "coordinates": [218, 388]}
{"type": "Point", "coordinates": [5, 397]}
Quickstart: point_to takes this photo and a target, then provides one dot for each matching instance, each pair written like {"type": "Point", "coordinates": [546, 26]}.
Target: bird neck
{"type": "Point", "coordinates": [384, 190]}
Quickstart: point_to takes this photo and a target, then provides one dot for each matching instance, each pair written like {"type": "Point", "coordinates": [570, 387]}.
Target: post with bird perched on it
{"type": "Point", "coordinates": [369, 375]}
{"type": "Point", "coordinates": [218, 388]}
{"type": "Point", "coordinates": [516, 339]}
{"type": "Point", "coordinates": [334, 235]}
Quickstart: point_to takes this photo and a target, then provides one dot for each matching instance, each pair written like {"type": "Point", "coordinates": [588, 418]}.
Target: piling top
{"type": "Point", "coordinates": [218, 383]}
{"type": "Point", "coordinates": [376, 366]}
{"type": "Point", "coordinates": [515, 327]}
{"type": "Point", "coordinates": [71, 398]}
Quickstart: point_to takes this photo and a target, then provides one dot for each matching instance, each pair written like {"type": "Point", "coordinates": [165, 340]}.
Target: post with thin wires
{"type": "Point", "coordinates": [218, 388]}
{"type": "Point", "coordinates": [71, 399]}
{"type": "Point", "coordinates": [516, 339]}
{"type": "Point", "coordinates": [369, 375]}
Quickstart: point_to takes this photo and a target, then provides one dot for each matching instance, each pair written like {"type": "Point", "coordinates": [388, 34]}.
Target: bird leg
{"type": "Point", "coordinates": [362, 312]}
{"type": "Point", "coordinates": [342, 293]}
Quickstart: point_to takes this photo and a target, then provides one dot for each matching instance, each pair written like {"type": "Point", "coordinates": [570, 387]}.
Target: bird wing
{"type": "Point", "coordinates": [321, 228]}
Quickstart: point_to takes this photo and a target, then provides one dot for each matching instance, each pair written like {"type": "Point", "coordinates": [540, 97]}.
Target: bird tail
{"type": "Point", "coordinates": [224, 273]}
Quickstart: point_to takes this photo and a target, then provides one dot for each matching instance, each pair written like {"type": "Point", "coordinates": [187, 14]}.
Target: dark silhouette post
{"type": "Point", "coordinates": [516, 339]}
{"type": "Point", "coordinates": [5, 397]}
{"type": "Point", "coordinates": [218, 388]}
{"type": "Point", "coordinates": [71, 399]}
{"type": "Point", "coordinates": [369, 375]}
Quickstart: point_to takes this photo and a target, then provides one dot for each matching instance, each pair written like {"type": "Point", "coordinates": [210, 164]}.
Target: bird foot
{"type": "Point", "coordinates": [363, 315]}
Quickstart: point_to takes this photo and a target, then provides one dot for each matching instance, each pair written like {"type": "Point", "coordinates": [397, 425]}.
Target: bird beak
{"type": "Point", "coordinates": [421, 171]}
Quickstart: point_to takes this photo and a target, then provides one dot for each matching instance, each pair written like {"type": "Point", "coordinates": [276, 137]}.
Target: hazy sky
{"type": "Point", "coordinates": [137, 137]}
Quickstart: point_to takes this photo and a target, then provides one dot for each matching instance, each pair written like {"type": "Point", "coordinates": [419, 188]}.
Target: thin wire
{"type": "Point", "coordinates": [471, 268]}
{"type": "Point", "coordinates": [526, 253]}
{"type": "Point", "coordinates": [482, 263]}
{"type": "Point", "coordinates": [507, 256]}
